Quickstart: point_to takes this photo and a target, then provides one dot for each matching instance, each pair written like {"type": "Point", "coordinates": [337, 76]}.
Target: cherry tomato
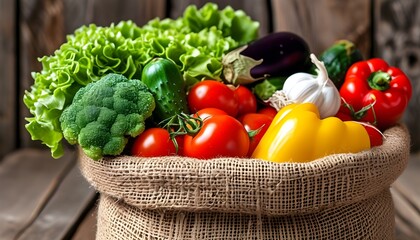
{"type": "Point", "coordinates": [211, 93]}
{"type": "Point", "coordinates": [153, 142]}
{"type": "Point", "coordinates": [205, 113]}
{"type": "Point", "coordinates": [247, 102]}
{"type": "Point", "coordinates": [254, 121]}
{"type": "Point", "coordinates": [220, 136]}
{"type": "Point", "coordinates": [269, 111]}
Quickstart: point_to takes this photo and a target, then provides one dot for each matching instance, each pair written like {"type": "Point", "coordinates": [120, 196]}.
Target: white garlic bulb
{"type": "Point", "coordinates": [317, 89]}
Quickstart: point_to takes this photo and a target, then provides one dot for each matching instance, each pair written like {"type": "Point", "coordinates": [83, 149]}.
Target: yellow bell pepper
{"type": "Point", "coordinates": [297, 134]}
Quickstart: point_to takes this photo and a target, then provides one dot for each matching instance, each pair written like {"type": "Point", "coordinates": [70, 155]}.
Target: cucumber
{"type": "Point", "coordinates": [165, 82]}
{"type": "Point", "coordinates": [338, 58]}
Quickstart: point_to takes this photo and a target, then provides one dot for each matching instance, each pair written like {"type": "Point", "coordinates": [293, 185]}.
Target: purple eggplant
{"type": "Point", "coordinates": [283, 53]}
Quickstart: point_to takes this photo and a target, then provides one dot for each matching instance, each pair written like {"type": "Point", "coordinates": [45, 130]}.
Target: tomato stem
{"type": "Point", "coordinates": [182, 124]}
{"type": "Point", "coordinates": [358, 115]}
{"type": "Point", "coordinates": [191, 125]}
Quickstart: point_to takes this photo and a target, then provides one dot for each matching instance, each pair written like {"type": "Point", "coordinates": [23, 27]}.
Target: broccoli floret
{"type": "Point", "coordinates": [104, 113]}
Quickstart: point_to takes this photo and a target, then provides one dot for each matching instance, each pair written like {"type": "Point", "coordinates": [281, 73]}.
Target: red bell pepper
{"type": "Point", "coordinates": [376, 136]}
{"type": "Point", "coordinates": [375, 92]}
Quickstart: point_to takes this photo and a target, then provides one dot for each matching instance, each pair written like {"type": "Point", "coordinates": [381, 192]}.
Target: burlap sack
{"type": "Point", "coordinates": [342, 196]}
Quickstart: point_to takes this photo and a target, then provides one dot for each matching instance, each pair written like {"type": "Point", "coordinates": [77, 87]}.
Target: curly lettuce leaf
{"type": "Point", "coordinates": [235, 24]}
{"type": "Point", "coordinates": [196, 42]}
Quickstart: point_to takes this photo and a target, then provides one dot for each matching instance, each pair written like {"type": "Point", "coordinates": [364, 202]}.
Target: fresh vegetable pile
{"type": "Point", "coordinates": [204, 86]}
{"type": "Point", "coordinates": [195, 42]}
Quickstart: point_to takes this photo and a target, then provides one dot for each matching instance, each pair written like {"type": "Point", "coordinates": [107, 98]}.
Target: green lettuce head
{"type": "Point", "coordinates": [196, 42]}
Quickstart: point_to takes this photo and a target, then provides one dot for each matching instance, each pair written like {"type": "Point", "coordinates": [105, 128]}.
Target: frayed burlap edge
{"type": "Point", "coordinates": [250, 186]}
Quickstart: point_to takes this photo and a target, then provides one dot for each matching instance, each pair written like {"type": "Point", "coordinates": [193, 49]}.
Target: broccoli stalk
{"type": "Point", "coordinates": [104, 113]}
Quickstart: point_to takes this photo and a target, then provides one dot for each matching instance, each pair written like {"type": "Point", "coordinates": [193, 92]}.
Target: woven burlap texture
{"type": "Point", "coordinates": [368, 219]}
{"type": "Point", "coordinates": [335, 189]}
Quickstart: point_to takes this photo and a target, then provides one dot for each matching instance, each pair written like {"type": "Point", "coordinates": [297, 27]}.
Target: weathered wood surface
{"type": "Point", "coordinates": [41, 198]}
{"type": "Point", "coordinates": [87, 228]}
{"type": "Point", "coordinates": [323, 22]}
{"type": "Point", "coordinates": [27, 181]}
{"type": "Point", "coordinates": [8, 78]}
{"type": "Point", "coordinates": [71, 200]}
{"type": "Point", "coordinates": [406, 195]}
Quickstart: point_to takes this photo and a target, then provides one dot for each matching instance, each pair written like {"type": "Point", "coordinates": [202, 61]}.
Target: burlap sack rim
{"type": "Point", "coordinates": [275, 189]}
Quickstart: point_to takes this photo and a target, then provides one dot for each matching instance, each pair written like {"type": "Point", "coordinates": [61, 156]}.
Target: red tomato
{"type": "Point", "coordinates": [254, 121]}
{"type": "Point", "coordinates": [220, 136]}
{"type": "Point", "coordinates": [269, 111]}
{"type": "Point", "coordinates": [180, 141]}
{"type": "Point", "coordinates": [205, 113]}
{"type": "Point", "coordinates": [212, 94]}
{"type": "Point", "coordinates": [247, 102]}
{"type": "Point", "coordinates": [153, 142]}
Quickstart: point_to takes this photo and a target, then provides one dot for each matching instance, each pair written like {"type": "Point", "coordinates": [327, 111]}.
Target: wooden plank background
{"type": "Point", "coordinates": [323, 22]}
{"type": "Point", "coordinates": [8, 78]}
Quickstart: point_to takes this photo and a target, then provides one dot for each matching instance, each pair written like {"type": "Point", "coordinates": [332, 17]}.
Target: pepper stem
{"type": "Point", "coordinates": [379, 80]}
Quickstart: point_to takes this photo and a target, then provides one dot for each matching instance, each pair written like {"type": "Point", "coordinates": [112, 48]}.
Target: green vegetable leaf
{"type": "Point", "coordinates": [196, 42]}
{"type": "Point", "coordinates": [266, 88]}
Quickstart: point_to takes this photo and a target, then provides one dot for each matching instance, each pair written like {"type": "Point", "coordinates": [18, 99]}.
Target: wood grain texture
{"type": "Point", "coordinates": [87, 228]}
{"type": "Point", "coordinates": [397, 40]}
{"type": "Point", "coordinates": [63, 210]}
{"type": "Point", "coordinates": [28, 178]}
{"type": "Point", "coordinates": [323, 22]}
{"type": "Point", "coordinates": [105, 12]}
{"type": "Point", "coordinates": [406, 194]}
{"type": "Point", "coordinates": [8, 126]}
{"type": "Point", "coordinates": [407, 219]}
{"type": "Point", "coordinates": [257, 10]}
